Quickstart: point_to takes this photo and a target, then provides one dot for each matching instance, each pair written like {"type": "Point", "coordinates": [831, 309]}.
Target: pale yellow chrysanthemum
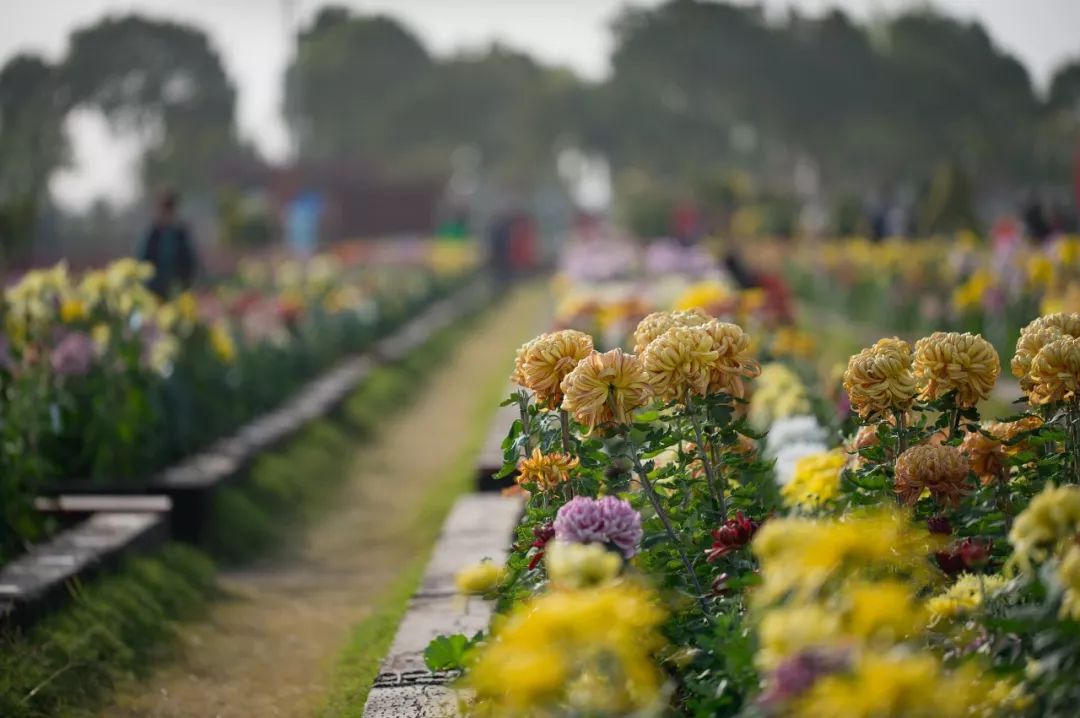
{"type": "Point", "coordinates": [787, 630]}
{"type": "Point", "coordinates": [655, 324]}
{"type": "Point", "coordinates": [1051, 519]}
{"type": "Point", "coordinates": [816, 480]}
{"type": "Point", "coordinates": [1037, 334]}
{"type": "Point", "coordinates": [1069, 574]}
{"type": "Point", "coordinates": [479, 579]}
{"type": "Point", "coordinates": [679, 362]}
{"type": "Point", "coordinates": [879, 379]}
{"type": "Point", "coordinates": [605, 388]}
{"type": "Point", "coordinates": [953, 362]}
{"type": "Point", "coordinates": [734, 362]}
{"type": "Point", "coordinates": [940, 470]}
{"type": "Point", "coordinates": [578, 565]}
{"type": "Point", "coordinates": [965, 596]}
{"type": "Point", "coordinates": [547, 360]}
{"type": "Point", "coordinates": [1055, 372]}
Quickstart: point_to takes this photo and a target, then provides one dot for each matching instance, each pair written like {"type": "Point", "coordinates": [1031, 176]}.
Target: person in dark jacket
{"type": "Point", "coordinates": [169, 248]}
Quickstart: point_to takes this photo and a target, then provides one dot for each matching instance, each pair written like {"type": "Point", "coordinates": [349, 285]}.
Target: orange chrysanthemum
{"type": "Point", "coordinates": [940, 470]}
{"type": "Point", "coordinates": [953, 362]}
{"type": "Point", "coordinates": [605, 387]}
{"type": "Point", "coordinates": [546, 470]}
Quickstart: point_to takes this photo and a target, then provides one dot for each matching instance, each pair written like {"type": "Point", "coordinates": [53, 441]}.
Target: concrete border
{"type": "Point", "coordinates": [480, 525]}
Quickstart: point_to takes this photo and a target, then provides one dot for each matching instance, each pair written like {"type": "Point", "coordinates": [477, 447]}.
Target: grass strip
{"type": "Point", "coordinates": [287, 486]}
{"type": "Point", "coordinates": [116, 626]}
{"type": "Point", "coordinates": [358, 663]}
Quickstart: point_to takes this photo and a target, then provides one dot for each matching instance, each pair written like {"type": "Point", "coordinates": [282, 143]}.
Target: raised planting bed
{"type": "Point", "coordinates": [479, 526]}
{"type": "Point", "coordinates": [191, 484]}
{"type": "Point", "coordinates": [41, 579]}
{"type": "Point", "coordinates": [180, 501]}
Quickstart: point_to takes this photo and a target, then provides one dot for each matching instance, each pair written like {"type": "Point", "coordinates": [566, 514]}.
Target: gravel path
{"type": "Point", "coordinates": [266, 649]}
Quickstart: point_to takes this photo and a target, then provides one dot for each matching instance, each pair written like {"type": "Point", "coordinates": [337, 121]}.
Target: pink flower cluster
{"type": "Point", "coordinates": [607, 520]}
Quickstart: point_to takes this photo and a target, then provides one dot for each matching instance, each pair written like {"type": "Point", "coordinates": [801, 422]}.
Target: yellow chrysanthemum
{"type": "Point", "coordinates": [1069, 575]}
{"type": "Point", "coordinates": [221, 342]}
{"type": "Point", "coordinates": [787, 630]}
{"type": "Point", "coordinates": [655, 324]}
{"type": "Point", "coordinates": [605, 388]}
{"type": "Point", "coordinates": [733, 361]}
{"type": "Point", "coordinates": [1055, 372]}
{"type": "Point", "coordinates": [1050, 519]}
{"type": "Point", "coordinates": [816, 480]}
{"type": "Point", "coordinates": [879, 379]}
{"type": "Point", "coordinates": [703, 296]}
{"type": "Point", "coordinates": [953, 362]}
{"type": "Point", "coordinates": [679, 362]}
{"type": "Point", "coordinates": [547, 360]}
{"type": "Point", "coordinates": [72, 309]}
{"type": "Point", "coordinates": [965, 596]}
{"type": "Point", "coordinates": [479, 579]}
{"type": "Point", "coordinates": [546, 470]}
{"type": "Point", "coordinates": [940, 470]}
{"type": "Point", "coordinates": [778, 393]}
{"type": "Point", "coordinates": [574, 652]}
{"type": "Point", "coordinates": [799, 555]}
{"type": "Point", "coordinates": [894, 684]}
{"type": "Point", "coordinates": [578, 565]}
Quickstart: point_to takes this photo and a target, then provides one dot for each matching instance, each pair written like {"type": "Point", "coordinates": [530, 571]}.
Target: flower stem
{"type": "Point", "coordinates": [710, 475]}
{"type": "Point", "coordinates": [523, 409]}
{"type": "Point", "coordinates": [564, 424]}
{"type": "Point", "coordinates": [901, 432]}
{"type": "Point", "coordinates": [654, 499]}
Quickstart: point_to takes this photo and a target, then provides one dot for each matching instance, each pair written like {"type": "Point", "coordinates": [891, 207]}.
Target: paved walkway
{"type": "Point", "coordinates": [267, 649]}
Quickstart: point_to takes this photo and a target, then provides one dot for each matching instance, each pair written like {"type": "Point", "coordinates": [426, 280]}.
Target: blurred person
{"type": "Point", "coordinates": [500, 238]}
{"type": "Point", "coordinates": [169, 248]}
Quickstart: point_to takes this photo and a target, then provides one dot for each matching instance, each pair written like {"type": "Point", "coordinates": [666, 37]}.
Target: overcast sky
{"type": "Point", "coordinates": [253, 39]}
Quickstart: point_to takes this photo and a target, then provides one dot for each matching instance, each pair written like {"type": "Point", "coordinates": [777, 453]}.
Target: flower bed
{"type": "Point", "coordinates": [103, 385]}
{"type": "Point", "coordinates": [705, 537]}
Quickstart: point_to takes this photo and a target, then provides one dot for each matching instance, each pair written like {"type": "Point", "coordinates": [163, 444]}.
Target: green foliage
{"type": "Point", "coordinates": [113, 627]}
{"type": "Point", "coordinates": [449, 653]}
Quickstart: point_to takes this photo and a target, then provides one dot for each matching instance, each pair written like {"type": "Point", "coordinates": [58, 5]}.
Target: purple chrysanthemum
{"type": "Point", "coordinates": [73, 354]}
{"type": "Point", "coordinates": [607, 520]}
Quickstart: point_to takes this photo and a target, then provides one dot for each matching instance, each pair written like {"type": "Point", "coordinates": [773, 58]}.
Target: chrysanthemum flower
{"type": "Point", "coordinates": [879, 378]}
{"type": "Point", "coordinates": [985, 453]}
{"type": "Point", "coordinates": [679, 362]}
{"type": "Point", "coordinates": [607, 520]}
{"type": "Point", "coordinates": [605, 388]}
{"type": "Point", "coordinates": [964, 596]}
{"type": "Point", "coordinates": [952, 362]}
{"type": "Point", "coordinates": [1027, 346]}
{"type": "Point", "coordinates": [1051, 518]}
{"type": "Point", "coordinates": [940, 470]}
{"type": "Point", "coordinates": [733, 360]}
{"type": "Point", "coordinates": [655, 324]}
{"type": "Point", "coordinates": [1055, 372]}
{"type": "Point", "coordinates": [575, 565]}
{"type": "Point", "coordinates": [546, 361]}
{"type": "Point", "coordinates": [546, 470]}
{"type": "Point", "coordinates": [816, 480]}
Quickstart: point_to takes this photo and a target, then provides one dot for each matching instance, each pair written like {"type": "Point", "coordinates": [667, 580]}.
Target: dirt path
{"type": "Point", "coordinates": [266, 649]}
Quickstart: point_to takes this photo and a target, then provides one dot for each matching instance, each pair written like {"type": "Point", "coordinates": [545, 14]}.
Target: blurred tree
{"type": "Point", "coordinates": [1064, 95]}
{"type": "Point", "coordinates": [165, 81]}
{"type": "Point", "coordinates": [32, 145]}
{"type": "Point", "coordinates": [343, 89]}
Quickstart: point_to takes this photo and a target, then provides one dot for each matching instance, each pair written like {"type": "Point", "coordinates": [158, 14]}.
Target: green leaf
{"type": "Point", "coordinates": [447, 653]}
